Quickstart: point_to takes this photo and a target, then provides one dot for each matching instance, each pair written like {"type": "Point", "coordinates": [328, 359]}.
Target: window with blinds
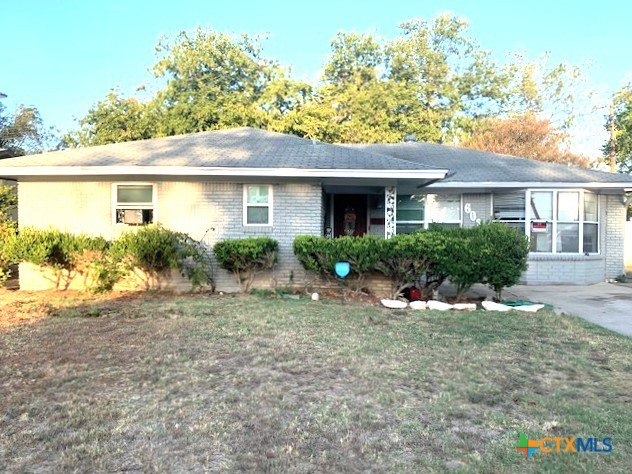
{"type": "Point", "coordinates": [510, 208]}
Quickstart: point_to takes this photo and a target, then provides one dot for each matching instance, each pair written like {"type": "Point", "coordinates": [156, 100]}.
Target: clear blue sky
{"type": "Point", "coordinates": [63, 56]}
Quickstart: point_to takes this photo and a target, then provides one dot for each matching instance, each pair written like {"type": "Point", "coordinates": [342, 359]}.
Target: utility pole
{"type": "Point", "coordinates": [613, 142]}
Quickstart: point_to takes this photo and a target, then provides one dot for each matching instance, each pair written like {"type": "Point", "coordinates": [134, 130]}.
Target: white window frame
{"type": "Point", "coordinates": [458, 221]}
{"type": "Point", "coordinates": [269, 205]}
{"type": "Point", "coordinates": [555, 221]}
{"type": "Point", "coordinates": [428, 217]}
{"type": "Point", "coordinates": [131, 205]}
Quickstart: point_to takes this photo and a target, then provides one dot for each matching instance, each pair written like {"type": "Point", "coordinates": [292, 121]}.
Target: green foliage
{"type": "Point", "coordinates": [8, 230]}
{"type": "Point", "coordinates": [543, 89]}
{"type": "Point", "coordinates": [320, 255]}
{"type": "Point", "coordinates": [403, 259]}
{"type": "Point", "coordinates": [55, 248]}
{"type": "Point", "coordinates": [457, 255]}
{"type": "Point", "coordinates": [66, 253]}
{"type": "Point", "coordinates": [8, 257]}
{"type": "Point", "coordinates": [505, 251]}
{"type": "Point", "coordinates": [247, 257]}
{"type": "Point", "coordinates": [152, 249]}
{"type": "Point", "coordinates": [490, 253]}
{"type": "Point", "coordinates": [623, 130]}
{"type": "Point", "coordinates": [8, 200]}
{"type": "Point", "coordinates": [116, 119]}
{"type": "Point", "coordinates": [315, 254]}
{"type": "Point", "coordinates": [432, 80]}
{"type": "Point", "coordinates": [23, 131]}
{"type": "Point", "coordinates": [156, 250]}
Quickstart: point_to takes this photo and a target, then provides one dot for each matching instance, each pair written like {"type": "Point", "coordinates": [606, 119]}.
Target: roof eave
{"type": "Point", "coordinates": [531, 184]}
{"type": "Point", "coordinates": [14, 172]}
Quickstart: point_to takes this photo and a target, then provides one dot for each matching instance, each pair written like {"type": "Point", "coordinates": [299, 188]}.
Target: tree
{"type": "Point", "coordinates": [623, 130]}
{"type": "Point", "coordinates": [23, 132]}
{"type": "Point", "coordinates": [355, 99]}
{"type": "Point", "coordinates": [547, 90]}
{"type": "Point", "coordinates": [442, 78]}
{"type": "Point", "coordinates": [432, 81]}
{"type": "Point", "coordinates": [209, 81]}
{"type": "Point", "coordinates": [212, 81]}
{"type": "Point", "coordinates": [116, 119]}
{"type": "Point", "coordinates": [428, 81]}
{"type": "Point", "coordinates": [526, 136]}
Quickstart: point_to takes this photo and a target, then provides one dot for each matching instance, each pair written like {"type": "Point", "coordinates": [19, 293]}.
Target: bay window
{"type": "Point", "coordinates": [556, 221]}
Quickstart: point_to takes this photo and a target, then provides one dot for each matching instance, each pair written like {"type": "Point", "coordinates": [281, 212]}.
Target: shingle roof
{"type": "Point", "coordinates": [258, 150]}
{"type": "Point", "coordinates": [234, 148]}
{"type": "Point", "coordinates": [473, 166]}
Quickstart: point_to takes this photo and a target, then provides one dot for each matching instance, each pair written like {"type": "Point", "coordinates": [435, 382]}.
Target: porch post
{"type": "Point", "coordinates": [390, 203]}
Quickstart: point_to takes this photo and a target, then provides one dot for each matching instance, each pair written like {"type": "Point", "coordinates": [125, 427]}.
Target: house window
{"type": "Point", "coordinates": [590, 226]}
{"type": "Point", "coordinates": [257, 204]}
{"type": "Point", "coordinates": [510, 209]}
{"type": "Point", "coordinates": [558, 221]}
{"type": "Point", "coordinates": [134, 204]}
{"type": "Point", "coordinates": [444, 209]}
{"type": "Point", "coordinates": [541, 222]}
{"type": "Point", "coordinates": [410, 214]}
{"type": "Point", "coordinates": [418, 211]}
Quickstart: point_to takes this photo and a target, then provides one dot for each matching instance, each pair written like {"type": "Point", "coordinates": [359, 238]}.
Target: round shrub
{"type": "Point", "coordinates": [247, 257]}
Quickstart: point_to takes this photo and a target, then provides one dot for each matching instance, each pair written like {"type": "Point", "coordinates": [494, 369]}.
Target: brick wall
{"type": "Point", "coordinates": [564, 269]}
{"type": "Point", "coordinates": [211, 210]}
{"type": "Point", "coordinates": [615, 236]}
{"type": "Point", "coordinates": [214, 210]}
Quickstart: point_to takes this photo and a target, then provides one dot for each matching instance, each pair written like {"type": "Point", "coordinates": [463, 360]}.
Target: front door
{"type": "Point", "coordinates": [350, 214]}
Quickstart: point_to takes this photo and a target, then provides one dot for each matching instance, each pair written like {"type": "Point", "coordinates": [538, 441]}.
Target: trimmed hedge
{"type": "Point", "coordinates": [247, 257]}
{"type": "Point", "coordinates": [491, 253]}
{"type": "Point", "coordinates": [506, 254]}
{"type": "Point", "coordinates": [320, 255]}
{"type": "Point", "coordinates": [153, 249]}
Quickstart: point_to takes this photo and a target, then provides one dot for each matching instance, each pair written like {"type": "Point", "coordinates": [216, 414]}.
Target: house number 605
{"type": "Point", "coordinates": [468, 210]}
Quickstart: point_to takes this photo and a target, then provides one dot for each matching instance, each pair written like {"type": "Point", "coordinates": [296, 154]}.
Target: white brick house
{"type": "Point", "coordinates": [243, 182]}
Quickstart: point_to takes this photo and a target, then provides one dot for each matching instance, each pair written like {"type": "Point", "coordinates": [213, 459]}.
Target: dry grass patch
{"type": "Point", "coordinates": [159, 382]}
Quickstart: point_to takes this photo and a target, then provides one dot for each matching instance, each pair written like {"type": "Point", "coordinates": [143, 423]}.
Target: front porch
{"type": "Point", "coordinates": [384, 211]}
{"type": "Point", "coordinates": [359, 210]}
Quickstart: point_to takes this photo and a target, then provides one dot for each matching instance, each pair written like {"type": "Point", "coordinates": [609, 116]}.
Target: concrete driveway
{"type": "Point", "coordinates": [606, 304]}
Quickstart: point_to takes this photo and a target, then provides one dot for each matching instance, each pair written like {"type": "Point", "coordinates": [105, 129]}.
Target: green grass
{"type": "Point", "coordinates": [246, 383]}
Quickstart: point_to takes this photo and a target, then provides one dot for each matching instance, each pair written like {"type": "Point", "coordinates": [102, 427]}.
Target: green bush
{"type": "Point", "coordinates": [247, 257]}
{"type": "Point", "coordinates": [314, 254]}
{"type": "Point", "coordinates": [404, 259]}
{"type": "Point", "coordinates": [489, 253]}
{"type": "Point", "coordinates": [152, 249]}
{"type": "Point", "coordinates": [457, 256]}
{"type": "Point", "coordinates": [66, 253]}
{"type": "Point", "coordinates": [156, 250]}
{"type": "Point", "coordinates": [8, 256]}
{"type": "Point", "coordinates": [55, 248]}
{"type": "Point", "coordinates": [320, 255]}
{"type": "Point", "coordinates": [504, 252]}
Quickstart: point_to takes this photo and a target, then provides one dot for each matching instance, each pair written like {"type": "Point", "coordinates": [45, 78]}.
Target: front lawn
{"type": "Point", "coordinates": [193, 383]}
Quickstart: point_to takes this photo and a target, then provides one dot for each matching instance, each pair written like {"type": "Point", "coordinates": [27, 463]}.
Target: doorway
{"type": "Point", "coordinates": [350, 211]}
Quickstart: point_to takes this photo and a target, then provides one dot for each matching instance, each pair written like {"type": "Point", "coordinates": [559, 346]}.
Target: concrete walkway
{"type": "Point", "coordinates": [606, 304]}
